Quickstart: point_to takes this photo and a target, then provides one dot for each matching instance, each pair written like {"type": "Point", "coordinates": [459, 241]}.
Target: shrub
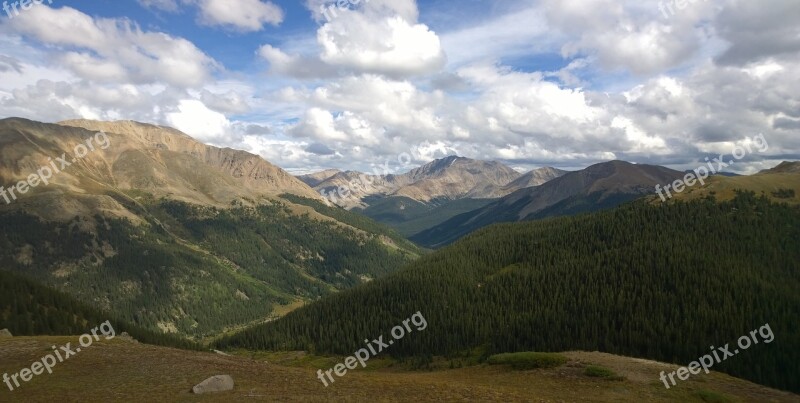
{"type": "Point", "coordinates": [601, 372]}
{"type": "Point", "coordinates": [712, 397]}
{"type": "Point", "coordinates": [528, 360]}
{"type": "Point", "coordinates": [784, 194]}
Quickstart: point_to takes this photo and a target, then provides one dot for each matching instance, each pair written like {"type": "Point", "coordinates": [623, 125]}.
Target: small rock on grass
{"type": "Point", "coordinates": [5, 333]}
{"type": "Point", "coordinates": [218, 383]}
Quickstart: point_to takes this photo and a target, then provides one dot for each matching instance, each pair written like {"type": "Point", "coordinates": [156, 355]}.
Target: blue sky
{"type": "Point", "coordinates": [563, 83]}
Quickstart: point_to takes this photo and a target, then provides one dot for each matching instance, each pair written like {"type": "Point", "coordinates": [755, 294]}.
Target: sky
{"type": "Point", "coordinates": [309, 85]}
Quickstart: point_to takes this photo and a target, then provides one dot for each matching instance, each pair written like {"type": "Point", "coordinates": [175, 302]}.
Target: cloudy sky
{"type": "Point", "coordinates": [562, 83]}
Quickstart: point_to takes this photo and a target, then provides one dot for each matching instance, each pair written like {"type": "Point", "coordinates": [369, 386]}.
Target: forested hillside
{"type": "Point", "coordinates": [661, 282]}
{"type": "Point", "coordinates": [198, 270]}
{"type": "Point", "coordinates": [410, 217]}
{"type": "Point", "coordinates": [30, 309]}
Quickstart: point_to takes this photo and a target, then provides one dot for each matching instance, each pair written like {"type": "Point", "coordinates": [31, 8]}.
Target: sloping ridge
{"type": "Point", "coordinates": [537, 177]}
{"type": "Point", "coordinates": [447, 178]}
{"type": "Point", "coordinates": [254, 170]}
{"type": "Point", "coordinates": [457, 177]}
{"type": "Point", "coordinates": [599, 186]}
{"type": "Point", "coordinates": [787, 167]}
{"type": "Point", "coordinates": [138, 157]}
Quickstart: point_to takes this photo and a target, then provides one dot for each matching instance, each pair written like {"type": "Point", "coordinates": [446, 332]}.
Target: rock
{"type": "Point", "coordinates": [219, 383]}
{"type": "Point", "coordinates": [126, 337]}
{"type": "Point", "coordinates": [5, 333]}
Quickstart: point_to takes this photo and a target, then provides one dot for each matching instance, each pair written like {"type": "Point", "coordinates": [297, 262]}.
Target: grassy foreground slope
{"type": "Point", "coordinates": [658, 282]}
{"type": "Point", "coordinates": [116, 371]}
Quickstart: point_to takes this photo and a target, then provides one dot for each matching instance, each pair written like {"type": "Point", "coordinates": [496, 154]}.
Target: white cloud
{"type": "Point", "coordinates": [295, 65]}
{"type": "Point", "coordinates": [197, 120]}
{"type": "Point", "coordinates": [241, 15]}
{"type": "Point", "coordinates": [123, 51]}
{"type": "Point", "coordinates": [390, 45]}
{"type": "Point", "coordinates": [628, 34]}
{"type": "Point", "coordinates": [378, 37]}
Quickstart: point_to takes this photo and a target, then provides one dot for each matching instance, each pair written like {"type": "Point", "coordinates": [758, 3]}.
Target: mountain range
{"type": "Point", "coordinates": [597, 187]}
{"type": "Point", "coordinates": [450, 178]}
{"type": "Point", "coordinates": [426, 196]}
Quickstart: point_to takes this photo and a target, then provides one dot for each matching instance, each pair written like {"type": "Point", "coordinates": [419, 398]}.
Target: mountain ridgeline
{"type": "Point", "coordinates": [660, 282]}
{"type": "Point", "coordinates": [597, 187]}
{"type": "Point", "coordinates": [450, 178]}
{"type": "Point", "coordinates": [426, 196]}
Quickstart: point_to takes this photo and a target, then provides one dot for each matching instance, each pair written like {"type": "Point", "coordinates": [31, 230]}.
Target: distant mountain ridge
{"type": "Point", "coordinates": [314, 179]}
{"type": "Point", "coordinates": [428, 195]}
{"type": "Point", "coordinates": [597, 187]}
{"type": "Point", "coordinates": [537, 177]}
{"type": "Point", "coordinates": [447, 178]}
{"type": "Point", "coordinates": [784, 167]}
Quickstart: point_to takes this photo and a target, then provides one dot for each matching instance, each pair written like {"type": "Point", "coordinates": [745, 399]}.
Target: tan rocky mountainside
{"type": "Point", "coordinates": [537, 177]}
{"type": "Point", "coordinates": [139, 157]}
{"type": "Point", "coordinates": [252, 169]}
{"type": "Point", "coordinates": [314, 179]}
{"type": "Point", "coordinates": [447, 178]}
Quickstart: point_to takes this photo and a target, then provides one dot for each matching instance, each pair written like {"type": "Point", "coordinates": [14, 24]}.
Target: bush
{"type": "Point", "coordinates": [784, 194]}
{"type": "Point", "coordinates": [712, 397]}
{"type": "Point", "coordinates": [601, 372]}
{"type": "Point", "coordinates": [528, 360]}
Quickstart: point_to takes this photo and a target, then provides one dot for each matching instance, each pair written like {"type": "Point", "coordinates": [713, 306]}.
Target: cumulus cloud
{"type": "Point", "coordinates": [242, 15]}
{"type": "Point", "coordinates": [759, 30]}
{"type": "Point", "coordinates": [115, 50]}
{"type": "Point", "coordinates": [295, 65]}
{"type": "Point", "coordinates": [378, 37]}
{"type": "Point", "coordinates": [391, 45]}
{"type": "Point", "coordinates": [628, 34]}
{"type": "Point", "coordinates": [203, 123]}
{"type": "Point", "coordinates": [230, 102]}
